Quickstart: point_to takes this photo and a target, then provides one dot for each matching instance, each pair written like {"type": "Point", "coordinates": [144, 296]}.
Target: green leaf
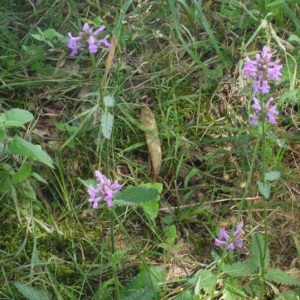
{"type": "Point", "coordinates": [205, 279]}
{"type": "Point", "coordinates": [136, 195]}
{"type": "Point", "coordinates": [2, 134]}
{"type": "Point", "coordinates": [18, 146]}
{"type": "Point", "coordinates": [233, 290]}
{"type": "Point", "coordinates": [18, 115]}
{"type": "Point", "coordinates": [168, 219]}
{"type": "Point", "coordinates": [107, 122]}
{"type": "Point", "coordinates": [264, 189]}
{"type": "Point", "coordinates": [39, 178]}
{"type": "Point", "coordinates": [38, 37]}
{"type": "Point", "coordinates": [273, 175]}
{"type": "Point", "coordinates": [139, 294]}
{"type": "Point", "coordinates": [186, 295]}
{"type": "Point", "coordinates": [274, 3]}
{"type": "Point", "coordinates": [49, 34]}
{"type": "Point", "coordinates": [30, 293]}
{"type": "Point", "coordinates": [281, 277]}
{"type": "Point", "coordinates": [241, 268]}
{"type": "Point", "coordinates": [191, 174]}
{"type": "Point", "coordinates": [162, 245]}
{"type": "Point", "coordinates": [289, 295]}
{"type": "Point", "coordinates": [255, 289]}
{"type": "Point", "coordinates": [294, 38]}
{"type": "Point", "coordinates": [276, 139]}
{"type": "Point", "coordinates": [9, 124]}
{"type": "Point", "coordinates": [22, 174]}
{"type": "Point", "coordinates": [109, 101]}
{"type": "Point", "coordinates": [260, 253]}
{"type": "Point", "coordinates": [4, 181]}
{"type": "Point", "coordinates": [149, 280]}
{"type": "Point", "coordinates": [97, 21]}
{"type": "Point", "coordinates": [152, 207]}
{"type": "Point", "coordinates": [171, 234]}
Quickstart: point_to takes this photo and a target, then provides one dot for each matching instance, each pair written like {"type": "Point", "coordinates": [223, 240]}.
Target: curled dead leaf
{"type": "Point", "coordinates": [147, 119]}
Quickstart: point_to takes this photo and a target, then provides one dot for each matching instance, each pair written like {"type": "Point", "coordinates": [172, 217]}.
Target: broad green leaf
{"type": "Point", "coordinates": [22, 174]}
{"type": "Point", "coordinates": [276, 139]}
{"type": "Point", "coordinates": [107, 122]}
{"type": "Point", "coordinates": [255, 289]}
{"type": "Point", "coordinates": [19, 115]}
{"type": "Point", "coordinates": [186, 295]}
{"type": "Point", "coordinates": [109, 101]}
{"type": "Point", "coordinates": [9, 124]}
{"type": "Point", "coordinates": [29, 193]}
{"type": "Point", "coordinates": [294, 38]}
{"type": "Point", "coordinates": [280, 276]}
{"type": "Point", "coordinates": [273, 175]}
{"type": "Point", "coordinates": [4, 181]}
{"type": "Point", "coordinates": [66, 127]}
{"type": "Point", "coordinates": [97, 21]}
{"type": "Point", "coordinates": [2, 134]}
{"type": "Point", "coordinates": [241, 268]}
{"type": "Point", "coordinates": [168, 219]}
{"type": "Point", "coordinates": [260, 253]}
{"type": "Point", "coordinates": [171, 234]}
{"type": "Point", "coordinates": [38, 37]}
{"type": "Point", "coordinates": [19, 146]}
{"type": "Point", "coordinates": [162, 245]}
{"type": "Point", "coordinates": [139, 294]}
{"type": "Point", "coordinates": [30, 293]}
{"type": "Point", "coordinates": [49, 34]}
{"type": "Point", "coordinates": [264, 189]}
{"type": "Point", "coordinates": [135, 195]}
{"type": "Point", "coordinates": [233, 290]}
{"type": "Point", "coordinates": [289, 295]}
{"type": "Point", "coordinates": [152, 207]}
{"type": "Point", "coordinates": [205, 279]}
{"type": "Point", "coordinates": [150, 279]}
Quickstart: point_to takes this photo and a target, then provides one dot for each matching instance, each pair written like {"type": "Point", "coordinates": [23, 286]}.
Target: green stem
{"type": "Point", "coordinates": [98, 78]}
{"type": "Point", "coordinates": [263, 128]}
{"type": "Point", "coordinates": [137, 251]}
{"type": "Point", "coordinates": [112, 239]}
{"type": "Point", "coordinates": [99, 100]}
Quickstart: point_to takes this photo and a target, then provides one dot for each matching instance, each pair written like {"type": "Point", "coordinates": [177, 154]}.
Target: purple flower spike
{"type": "Point", "coordinates": [262, 70]}
{"type": "Point", "coordinates": [231, 242]}
{"type": "Point", "coordinates": [269, 112]}
{"type": "Point", "coordinates": [104, 190]}
{"type": "Point", "coordinates": [88, 38]}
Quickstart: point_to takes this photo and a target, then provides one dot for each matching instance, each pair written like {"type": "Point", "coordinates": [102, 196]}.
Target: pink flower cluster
{"type": "Point", "coordinates": [87, 38]}
{"type": "Point", "coordinates": [270, 112]}
{"type": "Point", "coordinates": [262, 70]}
{"type": "Point", "coordinates": [104, 190]}
{"type": "Point", "coordinates": [231, 242]}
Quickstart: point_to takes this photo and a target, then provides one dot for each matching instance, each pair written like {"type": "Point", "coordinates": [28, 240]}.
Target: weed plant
{"type": "Point", "coordinates": [199, 200]}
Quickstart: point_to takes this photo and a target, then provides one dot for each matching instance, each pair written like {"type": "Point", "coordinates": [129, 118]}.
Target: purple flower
{"type": "Point", "coordinates": [270, 113]}
{"type": "Point", "coordinates": [231, 242]}
{"type": "Point", "coordinates": [87, 38]}
{"type": "Point", "coordinates": [104, 190]}
{"type": "Point", "coordinates": [262, 70]}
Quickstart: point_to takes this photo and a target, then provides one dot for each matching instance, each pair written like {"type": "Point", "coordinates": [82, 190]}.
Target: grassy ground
{"type": "Point", "coordinates": [183, 60]}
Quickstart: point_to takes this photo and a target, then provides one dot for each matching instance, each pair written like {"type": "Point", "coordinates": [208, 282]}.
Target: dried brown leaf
{"type": "Point", "coordinates": [152, 140]}
{"type": "Point", "coordinates": [110, 57]}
